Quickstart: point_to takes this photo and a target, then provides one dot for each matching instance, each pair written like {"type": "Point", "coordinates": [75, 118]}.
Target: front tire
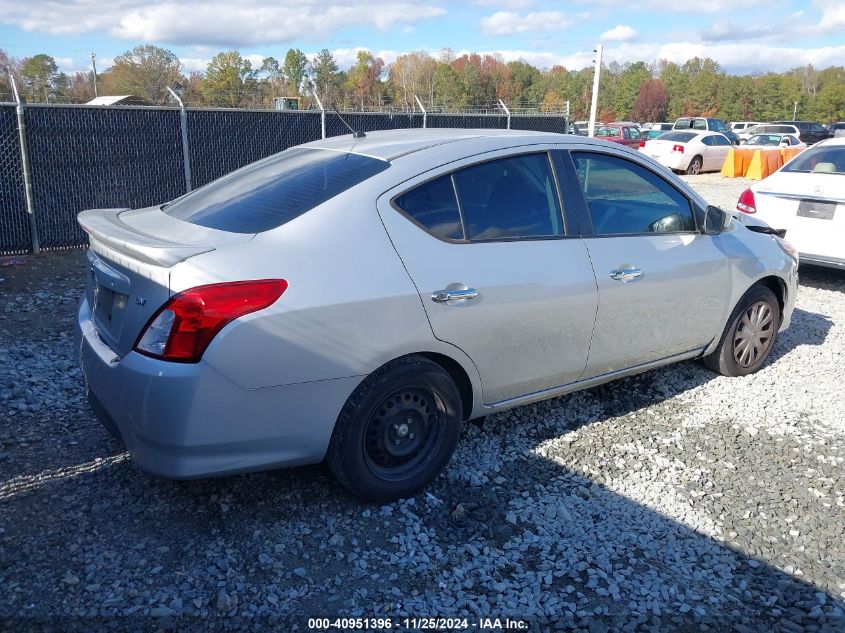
{"type": "Point", "coordinates": [397, 430]}
{"type": "Point", "coordinates": [749, 336]}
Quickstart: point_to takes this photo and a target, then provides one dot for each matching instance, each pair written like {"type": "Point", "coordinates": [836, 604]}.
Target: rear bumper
{"type": "Point", "coordinates": [187, 420]}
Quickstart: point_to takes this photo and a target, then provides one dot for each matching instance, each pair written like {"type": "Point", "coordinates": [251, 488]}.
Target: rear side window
{"type": "Point", "coordinates": [626, 198]}
{"type": "Point", "coordinates": [509, 198]}
{"type": "Point", "coordinates": [434, 206]}
{"type": "Point", "coordinates": [274, 191]}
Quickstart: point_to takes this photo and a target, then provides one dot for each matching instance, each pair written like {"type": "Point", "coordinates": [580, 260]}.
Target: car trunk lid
{"type": "Point", "coordinates": [130, 258]}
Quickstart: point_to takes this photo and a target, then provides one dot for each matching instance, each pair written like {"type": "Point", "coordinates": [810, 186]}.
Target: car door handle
{"type": "Point", "coordinates": [442, 296]}
{"type": "Point", "coordinates": [626, 274]}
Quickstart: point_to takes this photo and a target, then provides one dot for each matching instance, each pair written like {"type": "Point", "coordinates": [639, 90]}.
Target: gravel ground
{"type": "Point", "coordinates": [676, 500]}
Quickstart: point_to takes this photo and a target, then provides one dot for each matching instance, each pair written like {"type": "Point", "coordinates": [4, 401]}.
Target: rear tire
{"type": "Point", "coordinates": [749, 336]}
{"type": "Point", "coordinates": [397, 430]}
{"type": "Point", "coordinates": [694, 167]}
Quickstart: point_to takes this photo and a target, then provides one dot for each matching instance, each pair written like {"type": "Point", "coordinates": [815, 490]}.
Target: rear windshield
{"type": "Point", "coordinates": [679, 137]}
{"type": "Point", "coordinates": [826, 160]}
{"type": "Point", "coordinates": [273, 191]}
{"type": "Point", "coordinates": [696, 124]}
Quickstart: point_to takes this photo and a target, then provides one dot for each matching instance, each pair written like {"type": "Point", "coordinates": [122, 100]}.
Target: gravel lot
{"type": "Point", "coordinates": [676, 500]}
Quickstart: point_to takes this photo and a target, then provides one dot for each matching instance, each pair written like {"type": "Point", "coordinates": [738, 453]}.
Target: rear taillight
{"type": "Point", "coordinates": [746, 202]}
{"type": "Point", "coordinates": [642, 144]}
{"type": "Point", "coordinates": [183, 327]}
{"type": "Point", "coordinates": [678, 148]}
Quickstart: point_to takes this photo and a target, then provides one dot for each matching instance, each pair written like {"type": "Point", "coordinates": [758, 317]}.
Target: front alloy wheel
{"type": "Point", "coordinates": [754, 334]}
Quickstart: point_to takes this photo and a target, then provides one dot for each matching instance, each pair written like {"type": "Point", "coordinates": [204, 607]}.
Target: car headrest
{"type": "Point", "coordinates": [826, 168]}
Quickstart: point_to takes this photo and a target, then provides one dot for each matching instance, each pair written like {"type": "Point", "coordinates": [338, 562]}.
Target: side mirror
{"type": "Point", "coordinates": [715, 220]}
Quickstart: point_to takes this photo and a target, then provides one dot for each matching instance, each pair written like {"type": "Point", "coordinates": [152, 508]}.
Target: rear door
{"type": "Point", "coordinates": [663, 286]}
{"type": "Point", "coordinates": [498, 270]}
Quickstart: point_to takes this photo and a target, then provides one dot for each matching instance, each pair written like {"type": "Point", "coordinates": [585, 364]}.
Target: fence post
{"type": "Point", "coordinates": [27, 174]}
{"type": "Point", "coordinates": [508, 112]}
{"type": "Point", "coordinates": [186, 152]}
{"type": "Point", "coordinates": [322, 113]}
{"type": "Point", "coordinates": [425, 114]}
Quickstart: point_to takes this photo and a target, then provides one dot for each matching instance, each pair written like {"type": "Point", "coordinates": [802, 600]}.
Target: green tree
{"type": "Point", "coordinates": [294, 70]}
{"type": "Point", "coordinates": [145, 71]}
{"type": "Point", "coordinates": [39, 74]}
{"type": "Point", "coordinates": [229, 80]}
{"type": "Point", "coordinates": [628, 86]}
{"type": "Point", "coordinates": [326, 75]}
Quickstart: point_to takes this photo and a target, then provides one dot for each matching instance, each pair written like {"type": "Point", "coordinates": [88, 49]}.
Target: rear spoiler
{"type": "Point", "coordinates": [106, 227]}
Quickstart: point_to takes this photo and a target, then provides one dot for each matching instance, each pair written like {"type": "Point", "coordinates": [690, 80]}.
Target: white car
{"type": "Point", "coordinates": [741, 126]}
{"type": "Point", "coordinates": [774, 140]}
{"type": "Point", "coordinates": [807, 198]}
{"type": "Point", "coordinates": [769, 128]}
{"type": "Point", "coordinates": [688, 151]}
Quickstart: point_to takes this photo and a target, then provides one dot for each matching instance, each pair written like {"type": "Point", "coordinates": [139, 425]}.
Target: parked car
{"type": "Point", "coordinates": [661, 126]}
{"type": "Point", "coordinates": [581, 128]}
{"type": "Point", "coordinates": [705, 123]}
{"type": "Point", "coordinates": [773, 140]}
{"type": "Point", "coordinates": [622, 133]}
{"type": "Point", "coordinates": [809, 131]}
{"type": "Point", "coordinates": [769, 128]}
{"type": "Point", "coordinates": [650, 134]}
{"type": "Point", "coordinates": [691, 152]}
{"type": "Point", "coordinates": [807, 198]}
{"type": "Point", "coordinates": [739, 126]}
{"type": "Point", "coordinates": [357, 299]}
{"type": "Point", "coordinates": [837, 129]}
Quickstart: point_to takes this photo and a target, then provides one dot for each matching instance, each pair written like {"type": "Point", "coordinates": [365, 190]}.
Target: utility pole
{"type": "Point", "coordinates": [94, 66]}
{"type": "Point", "coordinates": [794, 110]}
{"type": "Point", "coordinates": [594, 105]}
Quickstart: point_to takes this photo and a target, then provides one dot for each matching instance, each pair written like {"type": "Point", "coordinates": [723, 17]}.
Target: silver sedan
{"type": "Point", "coordinates": [355, 300]}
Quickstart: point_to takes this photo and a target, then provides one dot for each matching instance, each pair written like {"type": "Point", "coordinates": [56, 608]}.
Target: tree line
{"type": "Point", "coordinates": [636, 91]}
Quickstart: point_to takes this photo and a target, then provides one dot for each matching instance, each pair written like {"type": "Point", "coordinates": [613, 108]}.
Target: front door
{"type": "Point", "coordinates": [487, 246]}
{"type": "Point", "coordinates": [663, 286]}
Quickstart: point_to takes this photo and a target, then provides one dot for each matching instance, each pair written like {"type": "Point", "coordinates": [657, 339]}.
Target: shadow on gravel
{"type": "Point", "coordinates": [821, 277]}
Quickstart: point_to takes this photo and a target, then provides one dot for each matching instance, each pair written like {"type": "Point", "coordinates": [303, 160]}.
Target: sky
{"type": "Point", "coordinates": [744, 36]}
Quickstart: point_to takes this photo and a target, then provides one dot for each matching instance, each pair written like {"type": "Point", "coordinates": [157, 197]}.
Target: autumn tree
{"type": "Point", "coordinates": [651, 102]}
{"type": "Point", "coordinates": [145, 71]}
{"type": "Point", "coordinates": [413, 74]}
{"type": "Point", "coordinates": [229, 80]}
{"type": "Point", "coordinates": [364, 79]}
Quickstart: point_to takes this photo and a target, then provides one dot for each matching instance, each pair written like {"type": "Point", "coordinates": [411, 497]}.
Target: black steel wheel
{"type": "Point", "coordinates": [397, 431]}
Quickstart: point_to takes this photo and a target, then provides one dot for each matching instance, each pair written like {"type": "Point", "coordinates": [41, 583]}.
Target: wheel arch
{"type": "Point", "coordinates": [777, 286]}
{"type": "Point", "coordinates": [458, 374]}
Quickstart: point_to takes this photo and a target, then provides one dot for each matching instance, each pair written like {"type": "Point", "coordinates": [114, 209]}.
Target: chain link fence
{"type": "Point", "coordinates": [85, 157]}
{"type": "Point", "coordinates": [14, 221]}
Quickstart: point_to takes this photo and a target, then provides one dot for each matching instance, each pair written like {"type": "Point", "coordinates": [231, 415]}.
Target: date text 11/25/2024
{"type": "Point", "coordinates": [417, 624]}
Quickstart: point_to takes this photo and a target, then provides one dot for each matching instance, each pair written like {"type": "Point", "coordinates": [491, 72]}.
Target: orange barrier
{"type": "Point", "coordinates": [756, 163]}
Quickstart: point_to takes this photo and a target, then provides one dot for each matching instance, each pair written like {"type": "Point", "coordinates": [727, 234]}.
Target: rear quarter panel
{"type": "Point", "coordinates": [350, 306]}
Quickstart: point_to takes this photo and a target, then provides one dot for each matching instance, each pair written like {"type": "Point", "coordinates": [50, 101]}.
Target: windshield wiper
{"type": "Point", "coordinates": [781, 233]}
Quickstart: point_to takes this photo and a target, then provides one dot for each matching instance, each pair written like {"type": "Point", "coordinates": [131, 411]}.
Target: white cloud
{"type": "Point", "coordinates": [235, 23]}
{"type": "Point", "coordinates": [511, 23]}
{"type": "Point", "coordinates": [619, 33]}
{"type": "Point", "coordinates": [832, 15]}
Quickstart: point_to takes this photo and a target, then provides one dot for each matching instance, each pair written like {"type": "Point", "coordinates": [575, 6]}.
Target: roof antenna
{"type": "Point", "coordinates": [354, 133]}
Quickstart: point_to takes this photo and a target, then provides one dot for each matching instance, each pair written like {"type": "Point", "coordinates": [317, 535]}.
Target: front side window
{"type": "Point", "coordinates": [509, 198]}
{"type": "Point", "coordinates": [635, 133]}
{"type": "Point", "coordinates": [626, 198]}
{"type": "Point", "coordinates": [275, 190]}
{"type": "Point", "coordinates": [433, 206]}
